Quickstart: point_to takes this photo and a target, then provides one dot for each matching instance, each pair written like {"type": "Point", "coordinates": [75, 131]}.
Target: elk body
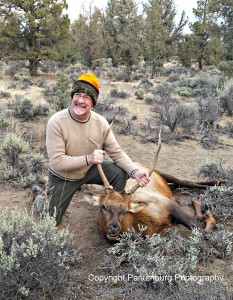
{"type": "Point", "coordinates": [153, 207]}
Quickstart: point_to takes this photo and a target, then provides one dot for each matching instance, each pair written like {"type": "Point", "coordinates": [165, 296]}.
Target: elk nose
{"type": "Point", "coordinates": [113, 227]}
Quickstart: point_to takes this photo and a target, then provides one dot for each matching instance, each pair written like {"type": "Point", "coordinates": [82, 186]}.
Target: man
{"type": "Point", "coordinates": [72, 156]}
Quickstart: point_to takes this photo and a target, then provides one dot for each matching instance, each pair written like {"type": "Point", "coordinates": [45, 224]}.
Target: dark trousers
{"type": "Point", "coordinates": [61, 191]}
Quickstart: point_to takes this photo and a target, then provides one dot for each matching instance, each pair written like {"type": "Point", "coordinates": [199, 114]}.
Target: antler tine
{"type": "Point", "coordinates": [136, 186]}
{"type": "Point", "coordinates": [156, 154]}
{"type": "Point", "coordinates": [107, 186]}
{"type": "Point", "coordinates": [107, 132]}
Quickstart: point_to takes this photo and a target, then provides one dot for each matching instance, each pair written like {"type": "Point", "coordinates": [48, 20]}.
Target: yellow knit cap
{"type": "Point", "coordinates": [87, 83]}
{"type": "Point", "coordinates": [91, 78]}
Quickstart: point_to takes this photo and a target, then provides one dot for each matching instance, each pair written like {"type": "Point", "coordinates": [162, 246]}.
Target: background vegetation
{"type": "Point", "coordinates": [184, 80]}
{"type": "Point", "coordinates": [40, 31]}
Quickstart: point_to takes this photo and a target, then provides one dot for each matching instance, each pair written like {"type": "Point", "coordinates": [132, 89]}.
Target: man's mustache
{"type": "Point", "coordinates": [80, 105]}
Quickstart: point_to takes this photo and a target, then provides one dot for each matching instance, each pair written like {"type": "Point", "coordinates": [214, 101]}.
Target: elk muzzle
{"type": "Point", "coordinates": [113, 230]}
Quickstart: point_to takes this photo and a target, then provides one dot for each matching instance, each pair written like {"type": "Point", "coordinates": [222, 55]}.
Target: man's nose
{"type": "Point", "coordinates": [81, 99]}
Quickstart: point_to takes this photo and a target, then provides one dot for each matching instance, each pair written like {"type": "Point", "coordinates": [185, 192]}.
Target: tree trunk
{"type": "Point", "coordinates": [4, 53]}
{"type": "Point", "coordinates": [153, 70]}
{"type": "Point", "coordinates": [201, 61]}
{"type": "Point", "coordinates": [33, 66]}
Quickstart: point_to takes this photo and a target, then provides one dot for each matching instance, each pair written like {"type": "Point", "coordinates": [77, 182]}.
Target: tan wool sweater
{"type": "Point", "coordinates": [67, 142]}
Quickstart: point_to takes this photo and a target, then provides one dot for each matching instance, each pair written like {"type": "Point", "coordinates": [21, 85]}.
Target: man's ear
{"type": "Point", "coordinates": [92, 200]}
{"type": "Point", "coordinates": [135, 207]}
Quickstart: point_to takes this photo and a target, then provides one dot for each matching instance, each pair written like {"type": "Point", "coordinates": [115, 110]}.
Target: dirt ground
{"type": "Point", "coordinates": [182, 159]}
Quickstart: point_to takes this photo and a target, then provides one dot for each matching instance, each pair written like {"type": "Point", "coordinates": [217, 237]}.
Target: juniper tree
{"type": "Point", "coordinates": [226, 9]}
{"type": "Point", "coordinates": [87, 37]}
{"type": "Point", "coordinates": [160, 32]}
{"type": "Point", "coordinates": [122, 31]}
{"type": "Point", "coordinates": [33, 29]}
{"type": "Point", "coordinates": [207, 36]}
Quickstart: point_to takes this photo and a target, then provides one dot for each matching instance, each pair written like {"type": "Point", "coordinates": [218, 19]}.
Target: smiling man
{"type": "Point", "coordinates": [72, 156]}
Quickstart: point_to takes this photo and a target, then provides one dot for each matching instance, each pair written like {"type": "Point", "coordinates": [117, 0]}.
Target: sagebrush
{"type": "Point", "coordinates": [35, 258]}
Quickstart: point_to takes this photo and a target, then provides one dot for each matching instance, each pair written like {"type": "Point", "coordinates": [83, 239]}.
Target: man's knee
{"type": "Point", "coordinates": [119, 180]}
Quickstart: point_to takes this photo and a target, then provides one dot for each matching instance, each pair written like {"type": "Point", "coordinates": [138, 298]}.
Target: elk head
{"type": "Point", "coordinates": [116, 213]}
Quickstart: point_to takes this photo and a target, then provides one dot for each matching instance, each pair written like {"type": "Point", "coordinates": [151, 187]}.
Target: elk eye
{"type": "Point", "coordinates": [104, 207]}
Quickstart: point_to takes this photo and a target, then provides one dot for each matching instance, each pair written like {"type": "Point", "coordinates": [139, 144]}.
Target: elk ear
{"type": "Point", "coordinates": [135, 207]}
{"type": "Point", "coordinates": [92, 200]}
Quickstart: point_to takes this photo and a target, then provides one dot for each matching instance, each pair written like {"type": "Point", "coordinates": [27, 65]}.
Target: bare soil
{"type": "Point", "coordinates": [182, 159]}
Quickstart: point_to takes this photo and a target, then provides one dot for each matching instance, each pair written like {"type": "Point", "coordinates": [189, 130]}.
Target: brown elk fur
{"type": "Point", "coordinates": [152, 207]}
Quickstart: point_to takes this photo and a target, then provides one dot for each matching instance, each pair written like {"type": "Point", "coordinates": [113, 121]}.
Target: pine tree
{"type": "Point", "coordinates": [225, 7]}
{"type": "Point", "coordinates": [87, 36]}
{"type": "Point", "coordinates": [34, 29]}
{"type": "Point", "coordinates": [207, 33]}
{"type": "Point", "coordinates": [160, 32]}
{"type": "Point", "coordinates": [186, 50]}
{"type": "Point", "coordinates": [122, 31]}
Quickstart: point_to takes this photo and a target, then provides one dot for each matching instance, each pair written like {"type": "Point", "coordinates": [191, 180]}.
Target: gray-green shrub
{"type": "Point", "coordinates": [176, 115]}
{"type": "Point", "coordinates": [140, 93]}
{"type": "Point", "coordinates": [202, 85]}
{"type": "Point", "coordinates": [115, 93]}
{"type": "Point", "coordinates": [22, 107]}
{"type": "Point", "coordinates": [119, 74]}
{"type": "Point", "coordinates": [35, 257]}
{"type": "Point", "coordinates": [218, 199]}
{"type": "Point", "coordinates": [209, 113]}
{"type": "Point", "coordinates": [225, 97]}
{"type": "Point", "coordinates": [16, 67]}
{"type": "Point", "coordinates": [212, 170]}
{"type": "Point", "coordinates": [18, 164]}
{"type": "Point", "coordinates": [4, 94]}
{"type": "Point", "coordinates": [157, 260]}
{"type": "Point", "coordinates": [4, 122]}
{"type": "Point", "coordinates": [58, 95]}
{"type": "Point", "coordinates": [184, 91]}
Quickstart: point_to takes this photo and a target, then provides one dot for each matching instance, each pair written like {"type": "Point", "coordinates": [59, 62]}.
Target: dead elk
{"type": "Point", "coordinates": [153, 207]}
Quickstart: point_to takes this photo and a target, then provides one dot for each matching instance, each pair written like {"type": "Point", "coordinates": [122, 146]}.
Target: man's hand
{"type": "Point", "coordinates": [142, 178]}
{"type": "Point", "coordinates": [96, 157]}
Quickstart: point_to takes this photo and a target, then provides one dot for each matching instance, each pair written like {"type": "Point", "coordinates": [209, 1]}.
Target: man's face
{"type": "Point", "coordinates": [81, 105]}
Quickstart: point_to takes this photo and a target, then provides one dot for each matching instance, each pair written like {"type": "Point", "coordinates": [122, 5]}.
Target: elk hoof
{"type": "Point", "coordinates": [198, 213]}
{"type": "Point", "coordinates": [210, 222]}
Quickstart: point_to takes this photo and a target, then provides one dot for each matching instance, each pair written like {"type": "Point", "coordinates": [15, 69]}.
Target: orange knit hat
{"type": "Point", "coordinates": [87, 83]}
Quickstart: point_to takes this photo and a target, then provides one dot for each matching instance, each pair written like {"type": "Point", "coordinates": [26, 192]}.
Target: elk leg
{"type": "Point", "coordinates": [189, 184]}
{"type": "Point", "coordinates": [179, 216]}
{"type": "Point", "coordinates": [197, 207]}
{"type": "Point", "coordinates": [210, 222]}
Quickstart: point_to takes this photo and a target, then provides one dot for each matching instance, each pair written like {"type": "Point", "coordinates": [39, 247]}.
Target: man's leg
{"type": "Point", "coordinates": [60, 193]}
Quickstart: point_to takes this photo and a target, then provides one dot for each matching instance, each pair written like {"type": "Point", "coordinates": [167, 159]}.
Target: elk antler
{"type": "Point", "coordinates": [107, 186]}
{"type": "Point", "coordinates": [136, 186]}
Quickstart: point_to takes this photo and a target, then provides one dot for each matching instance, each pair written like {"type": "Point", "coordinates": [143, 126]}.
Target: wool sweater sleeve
{"type": "Point", "coordinates": [55, 143]}
{"type": "Point", "coordinates": [117, 154]}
